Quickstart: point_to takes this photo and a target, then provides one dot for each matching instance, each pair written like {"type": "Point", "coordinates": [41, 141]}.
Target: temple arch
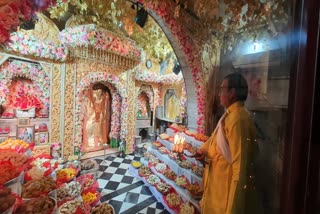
{"type": "Point", "coordinates": [191, 69]}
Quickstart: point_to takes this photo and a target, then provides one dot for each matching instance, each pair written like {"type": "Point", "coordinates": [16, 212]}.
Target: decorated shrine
{"type": "Point", "coordinates": [89, 70]}
{"type": "Point", "coordinates": [149, 106]}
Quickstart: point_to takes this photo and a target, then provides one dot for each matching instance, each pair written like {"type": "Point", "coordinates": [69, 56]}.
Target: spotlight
{"type": "Point", "coordinates": [141, 17]}
{"type": "Point", "coordinates": [176, 68]}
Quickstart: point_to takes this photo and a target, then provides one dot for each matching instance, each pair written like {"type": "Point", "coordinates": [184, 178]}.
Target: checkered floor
{"type": "Point", "coordinates": [123, 191]}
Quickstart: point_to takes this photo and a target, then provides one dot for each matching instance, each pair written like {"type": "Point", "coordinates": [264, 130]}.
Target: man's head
{"type": "Point", "coordinates": [233, 88]}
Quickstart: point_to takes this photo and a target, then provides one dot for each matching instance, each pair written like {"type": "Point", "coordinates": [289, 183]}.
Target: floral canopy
{"type": "Point", "coordinates": [90, 41]}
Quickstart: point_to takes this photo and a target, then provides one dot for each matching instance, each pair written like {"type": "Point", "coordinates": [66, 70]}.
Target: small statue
{"type": "Point", "coordinates": [122, 148]}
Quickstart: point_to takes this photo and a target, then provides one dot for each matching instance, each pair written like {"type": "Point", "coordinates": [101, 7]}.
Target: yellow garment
{"type": "Point", "coordinates": [224, 183]}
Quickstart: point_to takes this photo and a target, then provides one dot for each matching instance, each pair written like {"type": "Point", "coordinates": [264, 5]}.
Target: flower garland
{"type": "Point", "coordinates": [101, 76]}
{"type": "Point", "coordinates": [14, 12]}
{"type": "Point", "coordinates": [100, 38]}
{"type": "Point", "coordinates": [142, 102]}
{"type": "Point", "coordinates": [183, 99]}
{"type": "Point", "coordinates": [148, 90]}
{"type": "Point", "coordinates": [146, 76]}
{"type": "Point", "coordinates": [170, 78]}
{"type": "Point", "coordinates": [29, 45]}
{"type": "Point", "coordinates": [28, 70]}
{"type": "Point", "coordinates": [118, 105]}
{"type": "Point", "coordinates": [151, 77]}
{"type": "Point", "coordinates": [115, 122]}
{"type": "Point", "coordinates": [3, 91]}
{"type": "Point", "coordinates": [124, 118]}
{"type": "Point", "coordinates": [161, 8]}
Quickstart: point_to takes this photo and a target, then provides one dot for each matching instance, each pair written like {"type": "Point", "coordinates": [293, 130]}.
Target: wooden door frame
{"type": "Point", "coordinates": [301, 159]}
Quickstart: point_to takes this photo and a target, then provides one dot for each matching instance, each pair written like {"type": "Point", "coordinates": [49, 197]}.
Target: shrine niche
{"type": "Point", "coordinates": [24, 95]}
{"type": "Point", "coordinates": [144, 111]}
{"type": "Point", "coordinates": [96, 121]}
{"type": "Point", "coordinates": [145, 102]}
{"type": "Point", "coordinates": [101, 112]}
{"type": "Point", "coordinates": [171, 105]}
{"type": "Point", "coordinates": [143, 106]}
{"type": "Point", "coordinates": [100, 57]}
{"type": "Point", "coordinates": [25, 87]}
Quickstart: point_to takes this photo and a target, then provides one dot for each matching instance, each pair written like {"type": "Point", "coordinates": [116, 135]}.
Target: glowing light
{"type": "Point", "coordinates": [256, 46]}
{"type": "Point", "coordinates": [178, 144]}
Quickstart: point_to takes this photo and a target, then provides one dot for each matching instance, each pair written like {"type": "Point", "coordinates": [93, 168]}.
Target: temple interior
{"type": "Point", "coordinates": [108, 82]}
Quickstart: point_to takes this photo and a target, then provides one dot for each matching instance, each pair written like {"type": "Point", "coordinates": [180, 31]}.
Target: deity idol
{"type": "Point", "coordinates": [96, 119]}
{"type": "Point", "coordinates": [172, 109]}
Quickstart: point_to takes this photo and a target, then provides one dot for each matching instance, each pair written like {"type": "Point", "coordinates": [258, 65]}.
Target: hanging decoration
{"type": "Point", "coordinates": [29, 45]}
{"type": "Point", "coordinates": [151, 77]}
{"type": "Point", "coordinates": [92, 42]}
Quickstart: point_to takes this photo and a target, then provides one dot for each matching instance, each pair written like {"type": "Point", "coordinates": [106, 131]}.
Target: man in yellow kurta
{"type": "Point", "coordinates": [229, 153]}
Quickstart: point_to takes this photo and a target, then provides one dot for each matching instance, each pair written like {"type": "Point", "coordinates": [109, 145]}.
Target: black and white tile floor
{"type": "Point", "coordinates": [127, 194]}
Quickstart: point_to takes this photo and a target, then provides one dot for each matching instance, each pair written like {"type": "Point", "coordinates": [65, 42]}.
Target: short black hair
{"type": "Point", "coordinates": [239, 83]}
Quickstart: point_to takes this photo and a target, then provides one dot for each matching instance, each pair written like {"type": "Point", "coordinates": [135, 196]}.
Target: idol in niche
{"type": "Point", "coordinates": [96, 123]}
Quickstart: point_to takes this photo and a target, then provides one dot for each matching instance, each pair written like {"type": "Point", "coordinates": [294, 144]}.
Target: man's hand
{"type": "Point", "coordinates": [200, 156]}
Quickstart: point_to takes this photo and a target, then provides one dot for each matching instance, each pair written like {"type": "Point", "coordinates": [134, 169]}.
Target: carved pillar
{"type": "Point", "coordinates": [69, 110]}
{"type": "Point", "coordinates": [131, 125]}
{"type": "Point", "coordinates": [55, 105]}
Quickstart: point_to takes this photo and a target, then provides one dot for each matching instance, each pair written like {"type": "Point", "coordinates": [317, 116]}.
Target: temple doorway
{"type": "Point", "coordinates": [97, 117]}
{"type": "Point", "coordinates": [144, 134]}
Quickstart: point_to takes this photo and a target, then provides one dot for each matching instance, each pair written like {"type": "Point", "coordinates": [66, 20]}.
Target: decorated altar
{"type": "Point", "coordinates": [77, 84]}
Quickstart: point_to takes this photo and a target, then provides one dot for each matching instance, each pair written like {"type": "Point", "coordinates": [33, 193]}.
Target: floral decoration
{"type": "Point", "coordinates": [3, 92]}
{"type": "Point", "coordinates": [142, 105]}
{"type": "Point", "coordinates": [14, 12]}
{"type": "Point", "coordinates": [146, 76]}
{"type": "Point", "coordinates": [27, 70]}
{"type": "Point", "coordinates": [152, 77]}
{"type": "Point", "coordinates": [183, 99]}
{"type": "Point", "coordinates": [99, 38]}
{"type": "Point", "coordinates": [112, 14]}
{"type": "Point", "coordinates": [24, 95]}
{"type": "Point", "coordinates": [124, 118]}
{"type": "Point", "coordinates": [149, 92]}
{"type": "Point", "coordinates": [115, 122]}
{"type": "Point", "coordinates": [29, 45]}
{"type": "Point", "coordinates": [119, 104]}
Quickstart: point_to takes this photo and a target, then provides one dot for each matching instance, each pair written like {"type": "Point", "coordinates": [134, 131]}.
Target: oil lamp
{"type": "Point", "coordinates": [178, 145]}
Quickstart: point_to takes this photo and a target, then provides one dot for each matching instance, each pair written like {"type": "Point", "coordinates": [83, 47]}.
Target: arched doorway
{"type": "Point", "coordinates": [192, 75]}
{"type": "Point", "coordinates": [97, 117]}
